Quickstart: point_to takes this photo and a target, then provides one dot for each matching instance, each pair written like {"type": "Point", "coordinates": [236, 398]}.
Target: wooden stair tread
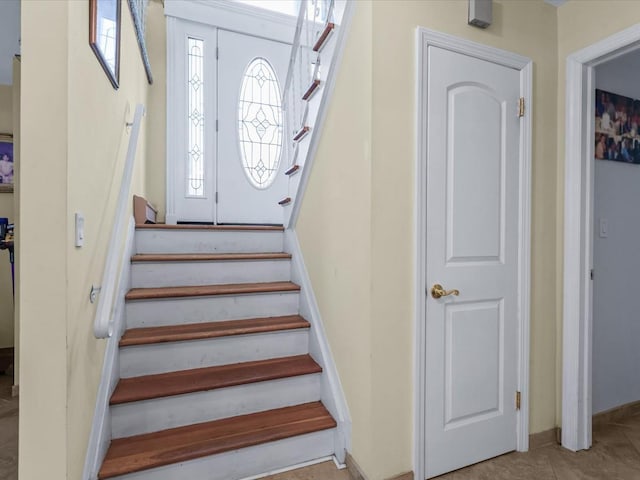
{"type": "Point", "coordinates": [163, 226]}
{"type": "Point", "coordinates": [142, 452]}
{"type": "Point", "coordinates": [198, 331]}
{"type": "Point", "coordinates": [210, 378]}
{"type": "Point", "coordinates": [203, 257]}
{"type": "Point", "coordinates": [208, 290]}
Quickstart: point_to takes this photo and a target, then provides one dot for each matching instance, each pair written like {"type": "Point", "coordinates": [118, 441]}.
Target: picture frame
{"type": "Point", "coordinates": [617, 128]}
{"type": "Point", "coordinates": [6, 163]}
{"type": "Point", "coordinates": [104, 36]}
{"type": "Point", "coordinates": [138, 10]}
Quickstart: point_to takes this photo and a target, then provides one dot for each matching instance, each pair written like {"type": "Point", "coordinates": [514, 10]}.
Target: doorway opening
{"type": "Point", "coordinates": [589, 227]}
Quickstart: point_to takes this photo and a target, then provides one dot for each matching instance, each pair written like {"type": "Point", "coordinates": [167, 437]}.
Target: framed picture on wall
{"type": "Point", "coordinates": [104, 36]}
{"type": "Point", "coordinates": [617, 128]}
{"type": "Point", "coordinates": [6, 163]}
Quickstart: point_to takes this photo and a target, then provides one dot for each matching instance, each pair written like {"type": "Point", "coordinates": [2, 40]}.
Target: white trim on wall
{"type": "Point", "coordinates": [578, 228]}
{"type": "Point", "coordinates": [424, 39]}
{"type": "Point", "coordinates": [172, 105]}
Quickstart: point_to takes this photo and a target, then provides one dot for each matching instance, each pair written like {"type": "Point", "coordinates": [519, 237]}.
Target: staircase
{"type": "Point", "coordinates": [216, 379]}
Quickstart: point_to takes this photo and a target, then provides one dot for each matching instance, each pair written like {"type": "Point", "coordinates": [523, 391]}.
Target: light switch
{"type": "Point", "coordinates": [79, 230]}
{"type": "Point", "coordinates": [604, 228]}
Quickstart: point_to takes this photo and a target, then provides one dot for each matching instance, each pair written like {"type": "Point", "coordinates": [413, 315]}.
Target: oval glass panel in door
{"type": "Point", "coordinates": [260, 123]}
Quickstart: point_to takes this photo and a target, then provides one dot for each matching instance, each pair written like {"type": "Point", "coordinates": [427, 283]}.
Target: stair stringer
{"type": "Point", "coordinates": [100, 436]}
{"type": "Point", "coordinates": [332, 393]}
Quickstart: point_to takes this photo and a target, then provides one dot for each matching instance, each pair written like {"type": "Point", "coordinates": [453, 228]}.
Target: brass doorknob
{"type": "Point", "coordinates": [437, 291]}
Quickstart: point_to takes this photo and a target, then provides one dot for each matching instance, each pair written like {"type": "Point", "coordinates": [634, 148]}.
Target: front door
{"type": "Point", "coordinates": [472, 251]}
{"type": "Point", "coordinates": [227, 132]}
{"type": "Point", "coordinates": [251, 75]}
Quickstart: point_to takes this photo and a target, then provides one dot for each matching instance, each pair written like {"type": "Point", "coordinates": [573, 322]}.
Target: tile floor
{"type": "Point", "coordinates": [8, 430]}
{"type": "Point", "coordinates": [615, 455]}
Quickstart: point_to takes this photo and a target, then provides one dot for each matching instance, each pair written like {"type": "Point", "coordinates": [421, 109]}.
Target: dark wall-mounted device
{"type": "Point", "coordinates": [480, 13]}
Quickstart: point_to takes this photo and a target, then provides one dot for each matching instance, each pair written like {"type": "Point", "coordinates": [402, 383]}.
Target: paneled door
{"type": "Point", "coordinates": [251, 144]}
{"type": "Point", "coordinates": [472, 251]}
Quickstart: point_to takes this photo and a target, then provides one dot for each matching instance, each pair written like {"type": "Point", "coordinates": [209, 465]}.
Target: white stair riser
{"type": "Point", "coordinates": [174, 356]}
{"type": "Point", "coordinates": [175, 311]}
{"type": "Point", "coordinates": [169, 412]}
{"type": "Point", "coordinates": [246, 462]}
{"type": "Point", "coordinates": [208, 241]}
{"type": "Point", "coordinates": [178, 274]}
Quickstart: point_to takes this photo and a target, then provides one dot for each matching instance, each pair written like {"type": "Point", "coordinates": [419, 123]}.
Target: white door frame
{"type": "Point", "coordinates": [426, 38]}
{"type": "Point", "coordinates": [578, 228]}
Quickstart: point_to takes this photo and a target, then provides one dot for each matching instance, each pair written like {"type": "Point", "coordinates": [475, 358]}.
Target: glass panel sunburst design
{"type": "Point", "coordinates": [260, 123]}
{"type": "Point", "coordinates": [195, 118]}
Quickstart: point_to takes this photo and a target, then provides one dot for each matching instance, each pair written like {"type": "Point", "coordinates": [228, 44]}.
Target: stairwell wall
{"type": "Point", "coordinates": [334, 228]}
{"type": "Point", "coordinates": [356, 225]}
{"type": "Point", "coordinates": [43, 217]}
{"type": "Point", "coordinates": [74, 144]}
{"type": "Point", "coordinates": [156, 176]}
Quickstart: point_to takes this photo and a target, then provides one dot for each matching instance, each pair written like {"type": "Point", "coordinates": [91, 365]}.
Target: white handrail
{"type": "Point", "coordinates": [103, 326]}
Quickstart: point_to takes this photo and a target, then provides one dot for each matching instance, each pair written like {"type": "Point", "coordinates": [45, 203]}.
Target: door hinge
{"type": "Point", "coordinates": [591, 274]}
{"type": "Point", "coordinates": [217, 53]}
{"type": "Point", "coordinates": [216, 125]}
{"type": "Point", "coordinates": [518, 400]}
{"type": "Point", "coordinates": [521, 107]}
{"type": "Point", "coordinates": [216, 197]}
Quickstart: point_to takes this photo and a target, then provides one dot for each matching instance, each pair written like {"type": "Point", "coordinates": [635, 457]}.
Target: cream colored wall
{"type": "Point", "coordinates": [43, 218]}
{"type": "Point", "coordinates": [371, 335]}
{"type": "Point", "coordinates": [589, 16]}
{"type": "Point", "coordinates": [334, 229]}
{"type": "Point", "coordinates": [157, 118]}
{"type": "Point", "coordinates": [6, 210]}
{"type": "Point", "coordinates": [98, 141]}
{"type": "Point", "coordinates": [74, 141]}
{"type": "Point", "coordinates": [6, 109]}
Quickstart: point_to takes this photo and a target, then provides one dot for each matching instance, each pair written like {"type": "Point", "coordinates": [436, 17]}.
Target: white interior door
{"type": "Point", "coordinates": [250, 180]}
{"type": "Point", "coordinates": [472, 243]}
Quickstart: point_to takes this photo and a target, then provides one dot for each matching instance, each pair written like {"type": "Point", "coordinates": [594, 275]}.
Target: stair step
{"type": "Point", "coordinates": [198, 331]}
{"type": "Point", "coordinates": [184, 310]}
{"type": "Point", "coordinates": [238, 228]}
{"type": "Point", "coordinates": [210, 290]}
{"type": "Point", "coordinates": [200, 379]}
{"type": "Point", "coordinates": [185, 239]}
{"type": "Point", "coordinates": [143, 452]}
{"type": "Point", "coordinates": [188, 270]}
{"type": "Point", "coordinates": [207, 257]}
{"type": "Point", "coordinates": [157, 414]}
